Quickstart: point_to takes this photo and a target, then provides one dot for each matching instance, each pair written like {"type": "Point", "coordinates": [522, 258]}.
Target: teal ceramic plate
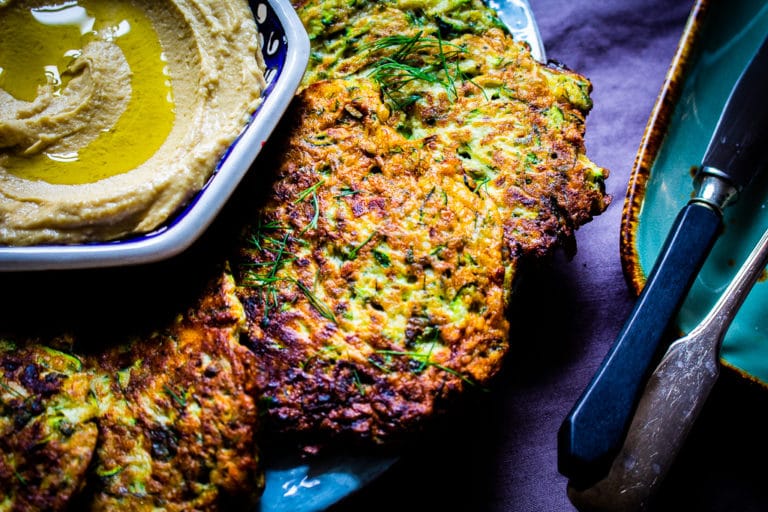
{"type": "Point", "coordinates": [296, 485]}
{"type": "Point", "coordinates": [719, 39]}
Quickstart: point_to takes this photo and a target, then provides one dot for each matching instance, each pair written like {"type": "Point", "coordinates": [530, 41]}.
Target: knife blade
{"type": "Point", "coordinates": [517, 16]}
{"type": "Point", "coordinates": [592, 432]}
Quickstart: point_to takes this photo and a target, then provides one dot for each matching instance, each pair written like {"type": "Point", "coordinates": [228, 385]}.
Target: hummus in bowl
{"type": "Point", "coordinates": [133, 108]}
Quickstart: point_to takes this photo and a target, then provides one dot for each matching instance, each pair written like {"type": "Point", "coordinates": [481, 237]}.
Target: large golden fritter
{"type": "Point", "coordinates": [166, 421]}
{"type": "Point", "coordinates": [427, 155]}
{"type": "Point", "coordinates": [373, 282]}
{"type": "Point", "coordinates": [376, 277]}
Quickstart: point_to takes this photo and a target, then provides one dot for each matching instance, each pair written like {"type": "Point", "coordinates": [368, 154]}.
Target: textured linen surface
{"type": "Point", "coordinates": [501, 454]}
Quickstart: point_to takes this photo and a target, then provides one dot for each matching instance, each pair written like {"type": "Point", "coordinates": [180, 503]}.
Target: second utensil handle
{"type": "Point", "coordinates": [673, 398]}
{"type": "Point", "coordinates": [593, 432]}
{"type": "Point", "coordinates": [669, 405]}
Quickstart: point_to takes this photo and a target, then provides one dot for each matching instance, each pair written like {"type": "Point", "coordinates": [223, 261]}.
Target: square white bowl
{"type": "Point", "coordinates": [285, 47]}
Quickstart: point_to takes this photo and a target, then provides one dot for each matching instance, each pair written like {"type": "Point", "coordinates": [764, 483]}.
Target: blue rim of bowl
{"type": "Point", "coordinates": [280, 29]}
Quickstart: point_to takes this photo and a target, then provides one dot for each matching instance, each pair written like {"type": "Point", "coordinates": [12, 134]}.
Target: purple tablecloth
{"type": "Point", "coordinates": [500, 454]}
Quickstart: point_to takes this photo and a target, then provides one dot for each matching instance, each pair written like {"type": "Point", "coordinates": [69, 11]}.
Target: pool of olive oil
{"type": "Point", "coordinates": [38, 45]}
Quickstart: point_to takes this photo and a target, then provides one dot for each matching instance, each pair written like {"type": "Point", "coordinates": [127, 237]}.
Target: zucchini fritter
{"type": "Point", "coordinates": [163, 421]}
{"type": "Point", "coordinates": [423, 162]}
{"type": "Point", "coordinates": [47, 427]}
{"type": "Point", "coordinates": [372, 283]}
{"type": "Point", "coordinates": [178, 422]}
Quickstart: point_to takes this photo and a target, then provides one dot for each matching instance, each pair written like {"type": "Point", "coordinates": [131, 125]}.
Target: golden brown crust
{"type": "Point", "coordinates": [178, 429]}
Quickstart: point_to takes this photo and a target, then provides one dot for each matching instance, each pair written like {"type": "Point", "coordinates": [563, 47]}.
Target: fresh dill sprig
{"type": "Point", "coordinates": [481, 183]}
{"type": "Point", "coordinates": [437, 250]}
{"type": "Point", "coordinates": [275, 249]}
{"type": "Point", "coordinates": [311, 192]}
{"type": "Point", "coordinates": [180, 399]}
{"type": "Point", "coordinates": [316, 303]}
{"type": "Point", "coordinates": [308, 191]}
{"type": "Point", "coordinates": [262, 275]}
{"type": "Point", "coordinates": [11, 390]}
{"type": "Point", "coordinates": [346, 191]}
{"type": "Point", "coordinates": [266, 285]}
{"type": "Point", "coordinates": [256, 237]}
{"type": "Point", "coordinates": [353, 253]}
{"type": "Point", "coordinates": [19, 477]}
{"type": "Point", "coordinates": [315, 216]}
{"type": "Point", "coordinates": [425, 361]}
{"type": "Point", "coordinates": [358, 382]}
{"type": "Point", "coordinates": [412, 58]}
{"type": "Point", "coordinates": [281, 255]}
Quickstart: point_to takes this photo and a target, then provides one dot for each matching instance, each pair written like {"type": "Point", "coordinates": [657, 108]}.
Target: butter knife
{"type": "Point", "coordinates": [593, 431]}
{"type": "Point", "coordinates": [672, 400]}
{"type": "Point", "coordinates": [517, 16]}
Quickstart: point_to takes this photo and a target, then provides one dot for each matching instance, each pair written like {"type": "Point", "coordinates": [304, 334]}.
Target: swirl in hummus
{"type": "Point", "coordinates": [114, 113]}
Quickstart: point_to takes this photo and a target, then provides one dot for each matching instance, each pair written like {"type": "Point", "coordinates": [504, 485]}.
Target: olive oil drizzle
{"type": "Point", "coordinates": [39, 47]}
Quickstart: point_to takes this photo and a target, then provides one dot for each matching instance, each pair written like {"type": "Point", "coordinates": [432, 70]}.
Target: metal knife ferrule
{"type": "Point", "coordinates": [714, 188]}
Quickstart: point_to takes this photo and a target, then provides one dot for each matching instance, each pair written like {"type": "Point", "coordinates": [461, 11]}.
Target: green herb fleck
{"type": "Point", "coordinates": [346, 191]}
{"type": "Point", "coordinates": [425, 361]}
{"type": "Point", "coordinates": [437, 250]}
{"type": "Point", "coordinates": [307, 192]}
{"type": "Point", "coordinates": [19, 477]}
{"type": "Point", "coordinates": [75, 362]}
{"type": "Point", "coordinates": [481, 183]}
{"type": "Point", "coordinates": [179, 398]}
{"type": "Point", "coordinates": [11, 390]}
{"type": "Point", "coordinates": [353, 253]}
{"type": "Point", "coordinates": [321, 308]}
{"type": "Point", "coordinates": [382, 258]}
{"type": "Point", "coordinates": [358, 383]}
{"type": "Point", "coordinates": [106, 473]}
{"type": "Point", "coordinates": [414, 58]}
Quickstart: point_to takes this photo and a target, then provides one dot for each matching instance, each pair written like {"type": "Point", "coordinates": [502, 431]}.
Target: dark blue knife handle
{"type": "Point", "coordinates": [594, 430]}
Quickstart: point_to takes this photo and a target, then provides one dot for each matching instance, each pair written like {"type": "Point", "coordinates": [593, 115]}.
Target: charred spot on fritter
{"type": "Point", "coordinates": [47, 427]}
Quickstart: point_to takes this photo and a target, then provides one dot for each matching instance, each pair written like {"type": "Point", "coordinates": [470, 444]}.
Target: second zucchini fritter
{"type": "Point", "coordinates": [178, 420]}
{"type": "Point", "coordinates": [47, 426]}
{"type": "Point", "coordinates": [426, 157]}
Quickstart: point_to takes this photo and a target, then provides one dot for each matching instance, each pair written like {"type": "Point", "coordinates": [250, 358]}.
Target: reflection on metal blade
{"type": "Point", "coordinates": [518, 17]}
